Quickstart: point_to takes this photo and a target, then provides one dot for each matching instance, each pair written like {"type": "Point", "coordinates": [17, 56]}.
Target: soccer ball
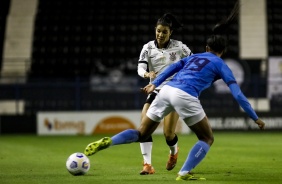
{"type": "Point", "coordinates": [78, 164]}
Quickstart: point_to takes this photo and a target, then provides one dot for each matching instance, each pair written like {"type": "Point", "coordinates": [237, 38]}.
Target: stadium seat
{"type": "Point", "coordinates": [81, 39]}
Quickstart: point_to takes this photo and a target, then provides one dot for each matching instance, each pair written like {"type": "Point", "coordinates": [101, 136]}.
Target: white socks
{"type": "Point", "coordinates": [146, 150]}
{"type": "Point", "coordinates": [173, 149]}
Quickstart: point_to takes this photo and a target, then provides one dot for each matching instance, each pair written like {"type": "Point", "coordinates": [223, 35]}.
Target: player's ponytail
{"type": "Point", "coordinates": [217, 41]}
{"type": "Point", "coordinates": [169, 20]}
{"type": "Point", "coordinates": [222, 27]}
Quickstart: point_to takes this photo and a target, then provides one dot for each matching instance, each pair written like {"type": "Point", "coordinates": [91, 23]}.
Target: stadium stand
{"type": "Point", "coordinates": [78, 40]}
{"type": "Point", "coordinates": [274, 15]}
{"type": "Point", "coordinates": [4, 9]}
{"type": "Point", "coordinates": [75, 38]}
{"type": "Point", "coordinates": [81, 39]}
{"type": "Point", "coordinates": [274, 20]}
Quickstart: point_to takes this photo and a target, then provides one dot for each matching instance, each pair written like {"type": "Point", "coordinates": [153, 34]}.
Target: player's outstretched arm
{"type": "Point", "coordinates": [244, 103]}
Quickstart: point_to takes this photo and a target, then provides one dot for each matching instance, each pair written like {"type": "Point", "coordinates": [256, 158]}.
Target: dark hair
{"type": "Point", "coordinates": [169, 20]}
{"type": "Point", "coordinates": [217, 41]}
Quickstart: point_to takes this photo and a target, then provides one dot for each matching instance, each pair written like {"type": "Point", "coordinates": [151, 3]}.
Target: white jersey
{"type": "Point", "coordinates": [155, 59]}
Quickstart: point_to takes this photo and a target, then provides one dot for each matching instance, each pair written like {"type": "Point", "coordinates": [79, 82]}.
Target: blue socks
{"type": "Point", "coordinates": [196, 155]}
{"type": "Point", "coordinates": [125, 137]}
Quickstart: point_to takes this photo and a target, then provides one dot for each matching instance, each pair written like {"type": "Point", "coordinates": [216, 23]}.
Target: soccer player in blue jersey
{"type": "Point", "coordinates": [193, 75]}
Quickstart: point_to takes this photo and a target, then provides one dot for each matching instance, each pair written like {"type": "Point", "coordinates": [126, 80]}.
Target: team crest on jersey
{"type": "Point", "coordinates": [172, 56]}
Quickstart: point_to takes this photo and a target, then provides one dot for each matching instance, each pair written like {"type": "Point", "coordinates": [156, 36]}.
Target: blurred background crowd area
{"type": "Point", "coordinates": [80, 55]}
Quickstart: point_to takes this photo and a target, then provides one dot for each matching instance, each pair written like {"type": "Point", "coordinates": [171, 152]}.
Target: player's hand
{"type": "Point", "coordinates": [151, 75]}
{"type": "Point", "coordinates": [260, 124]}
{"type": "Point", "coordinates": [149, 88]}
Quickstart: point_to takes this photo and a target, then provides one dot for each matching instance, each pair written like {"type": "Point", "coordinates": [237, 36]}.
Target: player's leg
{"type": "Point", "coordinates": [145, 130]}
{"type": "Point", "coordinates": [147, 145]}
{"type": "Point", "coordinates": [170, 122]}
{"type": "Point", "coordinates": [146, 148]}
{"type": "Point", "coordinates": [203, 131]}
{"type": "Point", "coordinates": [191, 111]}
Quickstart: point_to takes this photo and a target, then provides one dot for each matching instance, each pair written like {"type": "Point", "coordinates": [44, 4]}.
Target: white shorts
{"type": "Point", "coordinates": [169, 99]}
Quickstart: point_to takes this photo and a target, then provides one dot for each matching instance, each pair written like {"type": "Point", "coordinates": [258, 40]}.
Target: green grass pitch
{"type": "Point", "coordinates": [235, 157]}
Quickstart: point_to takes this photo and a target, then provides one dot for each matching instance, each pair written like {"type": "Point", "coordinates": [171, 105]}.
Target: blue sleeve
{"type": "Point", "coordinates": [169, 71]}
{"type": "Point", "coordinates": [242, 100]}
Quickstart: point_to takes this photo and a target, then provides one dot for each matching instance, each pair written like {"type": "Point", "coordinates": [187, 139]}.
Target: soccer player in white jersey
{"type": "Point", "coordinates": [154, 58]}
{"type": "Point", "coordinates": [193, 75]}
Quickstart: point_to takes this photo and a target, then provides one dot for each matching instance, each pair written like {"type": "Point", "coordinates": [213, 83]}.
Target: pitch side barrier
{"type": "Point", "coordinates": [240, 121]}
{"type": "Point", "coordinates": [58, 123]}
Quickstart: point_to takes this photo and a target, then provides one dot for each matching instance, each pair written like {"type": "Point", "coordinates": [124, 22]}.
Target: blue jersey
{"type": "Point", "coordinates": [198, 72]}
